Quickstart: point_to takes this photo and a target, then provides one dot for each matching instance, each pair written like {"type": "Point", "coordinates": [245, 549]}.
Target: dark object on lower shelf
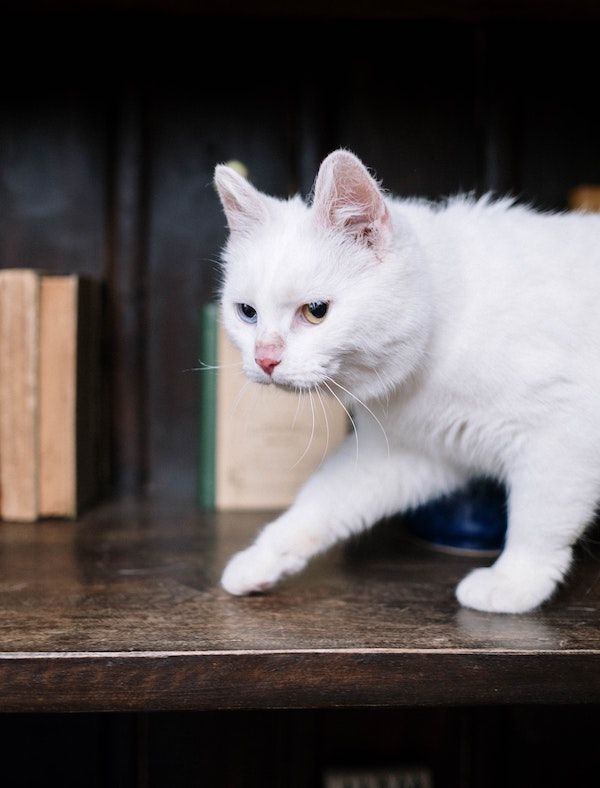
{"type": "Point", "coordinates": [471, 521]}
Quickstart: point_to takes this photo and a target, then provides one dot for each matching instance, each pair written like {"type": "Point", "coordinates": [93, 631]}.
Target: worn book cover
{"type": "Point", "coordinates": [19, 404]}
{"type": "Point", "coordinates": [49, 394]}
{"type": "Point", "coordinates": [68, 394]}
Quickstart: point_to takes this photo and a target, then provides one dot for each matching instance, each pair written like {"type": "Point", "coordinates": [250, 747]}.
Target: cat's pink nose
{"type": "Point", "coordinates": [266, 364]}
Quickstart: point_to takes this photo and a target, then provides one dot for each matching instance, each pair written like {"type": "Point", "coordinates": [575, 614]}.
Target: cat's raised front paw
{"type": "Point", "coordinates": [498, 590]}
{"type": "Point", "coordinates": [257, 569]}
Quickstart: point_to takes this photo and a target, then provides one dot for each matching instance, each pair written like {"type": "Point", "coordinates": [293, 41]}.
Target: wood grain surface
{"type": "Point", "coordinates": [122, 611]}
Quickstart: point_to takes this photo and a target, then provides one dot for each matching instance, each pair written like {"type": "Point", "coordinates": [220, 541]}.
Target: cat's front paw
{"type": "Point", "coordinates": [257, 569]}
{"type": "Point", "coordinates": [500, 590]}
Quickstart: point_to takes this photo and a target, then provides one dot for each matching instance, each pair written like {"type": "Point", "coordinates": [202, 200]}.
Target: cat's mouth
{"type": "Point", "coordinates": [293, 385]}
{"type": "Point", "coordinates": [294, 388]}
{"type": "Point", "coordinates": [289, 380]}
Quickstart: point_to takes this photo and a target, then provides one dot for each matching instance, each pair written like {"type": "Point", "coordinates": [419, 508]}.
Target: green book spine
{"type": "Point", "coordinates": [208, 407]}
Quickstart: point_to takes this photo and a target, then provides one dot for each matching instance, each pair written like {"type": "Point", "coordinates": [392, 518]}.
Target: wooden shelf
{"type": "Point", "coordinates": [122, 611]}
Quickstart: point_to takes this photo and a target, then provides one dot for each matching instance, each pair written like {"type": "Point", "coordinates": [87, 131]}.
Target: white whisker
{"type": "Point", "coordinates": [300, 395]}
{"type": "Point", "coordinates": [326, 427]}
{"type": "Point", "coordinates": [367, 408]}
{"type": "Point", "coordinates": [238, 398]}
{"type": "Point", "coordinates": [208, 367]}
{"type": "Point", "coordinates": [312, 433]}
{"type": "Point", "coordinates": [333, 394]}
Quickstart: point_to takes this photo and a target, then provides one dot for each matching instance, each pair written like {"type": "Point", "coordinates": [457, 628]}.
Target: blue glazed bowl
{"type": "Point", "coordinates": [472, 520]}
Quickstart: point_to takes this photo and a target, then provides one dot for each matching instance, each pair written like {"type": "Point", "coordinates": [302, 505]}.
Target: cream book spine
{"type": "Point", "coordinates": [19, 369]}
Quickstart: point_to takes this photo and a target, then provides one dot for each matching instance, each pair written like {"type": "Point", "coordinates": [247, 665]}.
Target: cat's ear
{"type": "Point", "coordinates": [348, 199]}
{"type": "Point", "coordinates": [244, 205]}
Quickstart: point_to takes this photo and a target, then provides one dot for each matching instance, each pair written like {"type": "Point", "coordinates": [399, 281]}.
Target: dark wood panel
{"type": "Point", "coordinates": [253, 749]}
{"type": "Point", "coordinates": [127, 276]}
{"type": "Point", "coordinates": [53, 187]}
{"type": "Point", "coordinates": [70, 750]}
{"type": "Point", "coordinates": [298, 680]}
{"type": "Point", "coordinates": [408, 107]}
{"type": "Point", "coordinates": [559, 121]}
{"type": "Point", "coordinates": [524, 747]}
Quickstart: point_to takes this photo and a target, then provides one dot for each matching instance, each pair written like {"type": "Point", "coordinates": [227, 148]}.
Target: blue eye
{"type": "Point", "coordinates": [247, 313]}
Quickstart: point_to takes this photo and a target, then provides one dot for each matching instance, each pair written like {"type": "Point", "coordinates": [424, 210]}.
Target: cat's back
{"type": "Point", "coordinates": [496, 223]}
{"type": "Point", "coordinates": [516, 295]}
{"type": "Point", "coordinates": [489, 233]}
{"type": "Point", "coordinates": [488, 252]}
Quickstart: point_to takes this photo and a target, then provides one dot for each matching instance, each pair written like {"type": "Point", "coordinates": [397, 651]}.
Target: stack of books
{"type": "Point", "coordinates": [49, 384]}
{"type": "Point", "coordinates": [258, 443]}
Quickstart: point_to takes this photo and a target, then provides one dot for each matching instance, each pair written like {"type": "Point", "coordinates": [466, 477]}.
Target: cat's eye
{"type": "Point", "coordinates": [247, 313]}
{"type": "Point", "coordinates": [315, 311]}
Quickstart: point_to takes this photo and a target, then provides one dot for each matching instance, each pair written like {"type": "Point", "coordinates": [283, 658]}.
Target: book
{"type": "Point", "coordinates": [49, 392]}
{"type": "Point", "coordinates": [258, 443]}
{"type": "Point", "coordinates": [585, 198]}
{"type": "Point", "coordinates": [19, 355]}
{"type": "Point", "coordinates": [208, 405]}
{"type": "Point", "coordinates": [68, 394]}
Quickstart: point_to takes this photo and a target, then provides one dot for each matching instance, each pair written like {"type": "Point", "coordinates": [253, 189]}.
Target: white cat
{"type": "Point", "coordinates": [471, 331]}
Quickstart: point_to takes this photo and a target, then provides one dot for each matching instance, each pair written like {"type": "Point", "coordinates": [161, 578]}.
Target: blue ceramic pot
{"type": "Point", "coordinates": [472, 520]}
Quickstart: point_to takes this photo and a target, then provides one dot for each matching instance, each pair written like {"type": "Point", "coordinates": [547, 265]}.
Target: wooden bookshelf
{"type": "Point", "coordinates": [105, 171]}
{"type": "Point", "coordinates": [122, 611]}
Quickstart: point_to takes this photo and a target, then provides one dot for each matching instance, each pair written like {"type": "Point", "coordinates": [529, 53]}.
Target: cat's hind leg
{"type": "Point", "coordinates": [340, 499]}
{"type": "Point", "coordinates": [553, 496]}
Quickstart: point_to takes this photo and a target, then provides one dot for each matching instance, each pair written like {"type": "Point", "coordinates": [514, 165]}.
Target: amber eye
{"type": "Point", "coordinates": [315, 311]}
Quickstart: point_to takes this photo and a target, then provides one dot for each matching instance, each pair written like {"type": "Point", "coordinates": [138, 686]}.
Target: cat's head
{"type": "Point", "coordinates": [320, 292]}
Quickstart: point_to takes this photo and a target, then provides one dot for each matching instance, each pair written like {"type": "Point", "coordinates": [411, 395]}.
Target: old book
{"type": "Point", "coordinates": [258, 443]}
{"type": "Point", "coordinates": [19, 370]}
{"type": "Point", "coordinates": [208, 405]}
{"type": "Point", "coordinates": [49, 392]}
{"type": "Point", "coordinates": [68, 394]}
{"type": "Point", "coordinates": [585, 198]}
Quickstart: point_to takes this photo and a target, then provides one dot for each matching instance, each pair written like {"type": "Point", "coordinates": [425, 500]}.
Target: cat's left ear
{"type": "Point", "coordinates": [347, 198]}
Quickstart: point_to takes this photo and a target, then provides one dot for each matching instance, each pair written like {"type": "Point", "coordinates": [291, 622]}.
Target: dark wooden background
{"type": "Point", "coordinates": [520, 747]}
{"type": "Point", "coordinates": [111, 122]}
{"type": "Point", "coordinates": [112, 117]}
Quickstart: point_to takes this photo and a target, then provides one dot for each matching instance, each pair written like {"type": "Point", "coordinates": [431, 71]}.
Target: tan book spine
{"type": "Point", "coordinates": [264, 448]}
{"type": "Point", "coordinates": [69, 394]}
{"type": "Point", "coordinates": [58, 396]}
{"type": "Point", "coordinates": [19, 349]}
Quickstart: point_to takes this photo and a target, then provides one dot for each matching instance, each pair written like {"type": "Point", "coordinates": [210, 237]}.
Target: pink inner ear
{"type": "Point", "coordinates": [347, 198]}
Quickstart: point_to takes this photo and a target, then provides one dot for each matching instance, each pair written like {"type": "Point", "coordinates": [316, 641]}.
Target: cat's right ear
{"type": "Point", "coordinates": [244, 205]}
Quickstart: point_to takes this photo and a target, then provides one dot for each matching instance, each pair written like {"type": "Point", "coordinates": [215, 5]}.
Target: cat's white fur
{"type": "Point", "coordinates": [470, 328]}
